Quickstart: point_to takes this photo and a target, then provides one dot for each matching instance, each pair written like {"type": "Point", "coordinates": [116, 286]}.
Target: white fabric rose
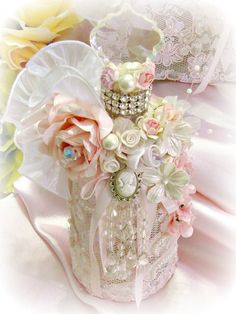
{"type": "Point", "coordinates": [111, 165]}
{"type": "Point", "coordinates": [131, 138]}
{"type": "Point", "coordinates": [153, 156]}
{"type": "Point", "coordinates": [108, 162]}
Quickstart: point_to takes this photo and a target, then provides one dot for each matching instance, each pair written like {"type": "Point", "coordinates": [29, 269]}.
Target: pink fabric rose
{"type": "Point", "coordinates": [147, 76]}
{"type": "Point", "coordinates": [179, 223]}
{"type": "Point", "coordinates": [72, 138]}
{"type": "Point", "coordinates": [108, 77]}
{"type": "Point", "coordinates": [151, 126]}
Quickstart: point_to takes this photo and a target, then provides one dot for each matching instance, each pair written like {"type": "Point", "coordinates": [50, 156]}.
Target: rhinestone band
{"type": "Point", "coordinates": [126, 105]}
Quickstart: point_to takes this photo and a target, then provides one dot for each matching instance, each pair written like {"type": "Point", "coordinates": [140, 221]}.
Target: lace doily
{"type": "Point", "coordinates": [200, 45]}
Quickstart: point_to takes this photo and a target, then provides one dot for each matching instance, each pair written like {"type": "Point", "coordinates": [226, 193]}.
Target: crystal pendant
{"type": "Point", "coordinates": [136, 37]}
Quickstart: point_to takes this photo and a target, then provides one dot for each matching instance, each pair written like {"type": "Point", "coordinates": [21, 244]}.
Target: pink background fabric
{"type": "Point", "coordinates": [36, 271]}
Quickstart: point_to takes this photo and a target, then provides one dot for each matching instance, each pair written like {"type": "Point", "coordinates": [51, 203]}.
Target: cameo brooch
{"type": "Point", "coordinates": [125, 184]}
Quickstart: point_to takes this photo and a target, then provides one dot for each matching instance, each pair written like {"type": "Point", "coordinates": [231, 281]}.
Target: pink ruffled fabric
{"type": "Point", "coordinates": [206, 273]}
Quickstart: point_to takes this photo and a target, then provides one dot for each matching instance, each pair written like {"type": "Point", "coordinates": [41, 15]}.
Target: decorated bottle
{"type": "Point", "coordinates": [92, 132]}
{"type": "Point", "coordinates": [126, 220]}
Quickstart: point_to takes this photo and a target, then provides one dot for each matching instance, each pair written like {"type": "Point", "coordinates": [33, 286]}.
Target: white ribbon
{"type": "Point", "coordinates": [99, 188]}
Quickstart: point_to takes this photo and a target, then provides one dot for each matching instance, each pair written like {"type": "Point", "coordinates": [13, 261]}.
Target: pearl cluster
{"type": "Point", "coordinates": [126, 105]}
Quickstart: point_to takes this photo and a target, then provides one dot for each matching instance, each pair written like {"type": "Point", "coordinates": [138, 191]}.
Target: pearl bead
{"type": "Point", "coordinates": [132, 65]}
{"type": "Point", "coordinates": [166, 181]}
{"type": "Point", "coordinates": [189, 91]}
{"type": "Point", "coordinates": [126, 83]}
{"type": "Point", "coordinates": [111, 142]}
{"type": "Point", "coordinates": [197, 68]}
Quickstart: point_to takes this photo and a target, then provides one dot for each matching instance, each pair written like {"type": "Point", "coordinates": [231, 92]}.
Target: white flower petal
{"type": "Point", "coordinates": [173, 192]}
{"type": "Point", "coordinates": [179, 178]}
{"type": "Point", "coordinates": [167, 169]}
{"type": "Point", "coordinates": [156, 193]}
{"type": "Point", "coordinates": [182, 131]}
{"type": "Point", "coordinates": [150, 177]}
{"type": "Point", "coordinates": [173, 146]}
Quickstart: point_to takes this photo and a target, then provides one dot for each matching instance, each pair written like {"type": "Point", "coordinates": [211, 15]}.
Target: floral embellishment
{"type": "Point", "coordinates": [108, 162]}
{"type": "Point", "coordinates": [40, 24]}
{"type": "Point", "coordinates": [72, 139]}
{"type": "Point", "coordinates": [165, 181]}
{"type": "Point", "coordinates": [151, 126]}
{"type": "Point", "coordinates": [179, 223]}
{"type": "Point", "coordinates": [109, 76]}
{"type": "Point", "coordinates": [184, 162]}
{"type": "Point", "coordinates": [111, 165]}
{"type": "Point", "coordinates": [146, 77]}
{"type": "Point", "coordinates": [153, 156]}
{"type": "Point", "coordinates": [175, 135]}
{"type": "Point", "coordinates": [131, 138]}
{"type": "Point", "coordinates": [128, 77]}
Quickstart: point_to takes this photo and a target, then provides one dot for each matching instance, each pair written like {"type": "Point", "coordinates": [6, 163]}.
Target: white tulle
{"type": "Point", "coordinates": [63, 57]}
{"type": "Point", "coordinates": [71, 68]}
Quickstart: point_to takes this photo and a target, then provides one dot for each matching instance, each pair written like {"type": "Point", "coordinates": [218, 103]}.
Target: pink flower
{"type": "Point", "coordinates": [151, 126]}
{"type": "Point", "coordinates": [72, 136]}
{"type": "Point", "coordinates": [108, 77]}
{"type": "Point", "coordinates": [179, 223]}
{"type": "Point", "coordinates": [146, 78]}
{"type": "Point", "coordinates": [184, 162]}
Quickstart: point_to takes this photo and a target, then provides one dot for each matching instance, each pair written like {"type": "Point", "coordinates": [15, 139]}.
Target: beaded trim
{"type": "Point", "coordinates": [126, 105]}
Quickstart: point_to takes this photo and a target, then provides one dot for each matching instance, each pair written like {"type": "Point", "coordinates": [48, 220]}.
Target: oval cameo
{"type": "Point", "coordinates": [125, 184]}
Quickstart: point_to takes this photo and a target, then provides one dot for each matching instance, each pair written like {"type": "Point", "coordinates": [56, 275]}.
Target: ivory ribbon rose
{"type": "Point", "coordinates": [68, 124]}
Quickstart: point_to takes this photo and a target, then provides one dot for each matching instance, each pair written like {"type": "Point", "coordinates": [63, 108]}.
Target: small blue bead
{"type": "Point", "coordinates": [69, 153]}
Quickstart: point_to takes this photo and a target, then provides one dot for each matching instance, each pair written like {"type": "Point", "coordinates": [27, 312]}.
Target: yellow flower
{"type": "Point", "coordinates": [40, 22]}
